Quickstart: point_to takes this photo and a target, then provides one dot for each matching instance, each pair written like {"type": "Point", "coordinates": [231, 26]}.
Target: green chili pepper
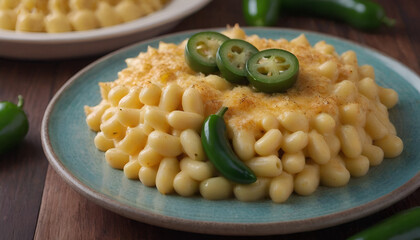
{"type": "Point", "coordinates": [362, 14]}
{"type": "Point", "coordinates": [218, 150]}
{"type": "Point", "coordinates": [261, 12]}
{"type": "Point", "coordinates": [13, 124]}
{"type": "Point", "coordinates": [201, 49]}
{"type": "Point", "coordinates": [404, 225]}
{"type": "Point", "coordinates": [231, 59]}
{"type": "Point", "coordinates": [272, 70]}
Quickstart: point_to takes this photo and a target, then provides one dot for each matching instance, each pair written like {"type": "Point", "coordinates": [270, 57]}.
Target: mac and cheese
{"type": "Point", "coordinates": [54, 16]}
{"type": "Point", "coordinates": [330, 126]}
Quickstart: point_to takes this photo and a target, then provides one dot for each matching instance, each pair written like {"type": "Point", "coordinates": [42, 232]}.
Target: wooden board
{"type": "Point", "coordinates": [35, 202]}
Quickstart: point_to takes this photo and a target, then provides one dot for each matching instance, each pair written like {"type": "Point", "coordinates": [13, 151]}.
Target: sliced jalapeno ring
{"type": "Point", "coordinates": [201, 49]}
{"type": "Point", "coordinates": [231, 59]}
{"type": "Point", "coordinates": [272, 70]}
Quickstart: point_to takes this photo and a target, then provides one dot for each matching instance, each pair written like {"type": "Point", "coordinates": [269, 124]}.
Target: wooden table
{"type": "Point", "coordinates": [36, 203]}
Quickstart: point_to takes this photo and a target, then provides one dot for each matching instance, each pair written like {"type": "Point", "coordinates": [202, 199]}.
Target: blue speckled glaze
{"type": "Point", "coordinates": [72, 142]}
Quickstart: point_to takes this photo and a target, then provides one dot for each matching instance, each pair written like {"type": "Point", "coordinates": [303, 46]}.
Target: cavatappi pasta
{"type": "Point", "coordinates": [330, 126]}
{"type": "Point", "coordinates": [54, 16]}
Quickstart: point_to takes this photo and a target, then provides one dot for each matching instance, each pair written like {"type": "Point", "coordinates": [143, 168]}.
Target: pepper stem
{"type": "Point", "coordinates": [20, 101]}
{"type": "Point", "coordinates": [222, 111]}
{"type": "Point", "coordinates": [389, 22]}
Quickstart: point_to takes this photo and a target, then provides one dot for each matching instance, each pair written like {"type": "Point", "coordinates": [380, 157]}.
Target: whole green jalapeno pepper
{"type": "Point", "coordinates": [218, 150]}
{"type": "Point", "coordinates": [13, 124]}
{"type": "Point", "coordinates": [403, 225]}
{"type": "Point", "coordinates": [362, 14]}
{"type": "Point", "coordinates": [261, 12]}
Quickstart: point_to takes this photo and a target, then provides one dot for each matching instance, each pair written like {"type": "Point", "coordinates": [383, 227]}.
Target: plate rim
{"type": "Point", "coordinates": [217, 227]}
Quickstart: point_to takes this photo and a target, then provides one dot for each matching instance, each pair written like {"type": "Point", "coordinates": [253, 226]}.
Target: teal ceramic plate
{"type": "Point", "coordinates": [68, 144]}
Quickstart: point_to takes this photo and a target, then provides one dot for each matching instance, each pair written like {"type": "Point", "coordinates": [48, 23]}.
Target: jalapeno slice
{"type": "Point", "coordinates": [272, 70]}
{"type": "Point", "coordinates": [231, 59]}
{"type": "Point", "coordinates": [201, 49]}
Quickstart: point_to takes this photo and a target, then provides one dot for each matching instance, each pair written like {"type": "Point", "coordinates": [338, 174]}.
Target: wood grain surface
{"type": "Point", "coordinates": [35, 203]}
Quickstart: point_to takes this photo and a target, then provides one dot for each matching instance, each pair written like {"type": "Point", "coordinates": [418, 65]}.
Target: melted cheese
{"type": "Point", "coordinates": [312, 93]}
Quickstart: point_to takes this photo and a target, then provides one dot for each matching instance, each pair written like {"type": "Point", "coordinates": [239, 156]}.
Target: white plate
{"type": "Point", "coordinates": [26, 45]}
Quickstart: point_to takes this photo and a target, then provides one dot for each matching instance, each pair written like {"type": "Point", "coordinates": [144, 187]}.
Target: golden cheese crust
{"type": "Point", "coordinates": [312, 94]}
